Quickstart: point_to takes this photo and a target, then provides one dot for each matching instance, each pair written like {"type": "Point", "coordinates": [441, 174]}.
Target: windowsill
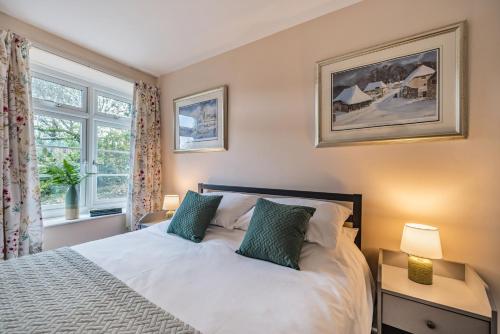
{"type": "Point", "coordinates": [57, 221]}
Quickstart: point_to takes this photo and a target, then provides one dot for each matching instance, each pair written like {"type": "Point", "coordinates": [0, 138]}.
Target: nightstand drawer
{"type": "Point", "coordinates": [419, 318]}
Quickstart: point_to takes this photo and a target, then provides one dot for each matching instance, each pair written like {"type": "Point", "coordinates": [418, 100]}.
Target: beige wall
{"type": "Point", "coordinates": [85, 230]}
{"type": "Point", "coordinates": [70, 50]}
{"type": "Point", "coordinates": [452, 184]}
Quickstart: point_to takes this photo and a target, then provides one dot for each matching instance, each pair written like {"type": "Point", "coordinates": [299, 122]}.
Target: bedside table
{"type": "Point", "coordinates": [458, 302]}
{"type": "Point", "coordinates": [146, 225]}
{"type": "Point", "coordinates": [152, 218]}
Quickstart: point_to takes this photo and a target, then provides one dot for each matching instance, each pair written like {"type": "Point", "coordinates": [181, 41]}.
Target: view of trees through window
{"type": "Point", "coordinates": [112, 106]}
{"type": "Point", "coordinates": [57, 93]}
{"type": "Point", "coordinates": [56, 139]}
{"type": "Point", "coordinates": [113, 161]}
{"type": "Point", "coordinates": [62, 133]}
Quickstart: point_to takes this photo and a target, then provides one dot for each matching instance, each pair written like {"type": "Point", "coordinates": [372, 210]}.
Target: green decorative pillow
{"type": "Point", "coordinates": [193, 216]}
{"type": "Point", "coordinates": [276, 233]}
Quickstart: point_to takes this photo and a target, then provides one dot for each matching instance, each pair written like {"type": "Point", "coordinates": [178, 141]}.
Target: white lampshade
{"type": "Point", "coordinates": [422, 241]}
{"type": "Point", "coordinates": [170, 202]}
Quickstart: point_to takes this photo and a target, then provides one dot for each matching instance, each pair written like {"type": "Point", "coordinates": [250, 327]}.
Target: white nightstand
{"type": "Point", "coordinates": [152, 218]}
{"type": "Point", "coordinates": [146, 225]}
{"type": "Point", "coordinates": [458, 302]}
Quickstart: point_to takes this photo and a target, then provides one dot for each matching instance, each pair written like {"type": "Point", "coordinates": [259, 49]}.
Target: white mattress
{"type": "Point", "coordinates": [210, 287]}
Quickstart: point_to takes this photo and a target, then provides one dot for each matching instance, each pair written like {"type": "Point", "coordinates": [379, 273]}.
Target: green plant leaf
{"type": "Point", "coordinates": [65, 174]}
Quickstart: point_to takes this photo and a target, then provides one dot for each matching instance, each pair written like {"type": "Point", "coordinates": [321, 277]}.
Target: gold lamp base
{"type": "Point", "coordinates": [170, 214]}
{"type": "Point", "coordinates": [420, 270]}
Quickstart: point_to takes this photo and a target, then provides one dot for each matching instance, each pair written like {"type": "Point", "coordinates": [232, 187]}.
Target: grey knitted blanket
{"type": "Point", "coordinates": [61, 291]}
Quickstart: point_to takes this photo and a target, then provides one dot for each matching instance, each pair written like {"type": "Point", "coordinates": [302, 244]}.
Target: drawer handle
{"type": "Point", "coordinates": [430, 324]}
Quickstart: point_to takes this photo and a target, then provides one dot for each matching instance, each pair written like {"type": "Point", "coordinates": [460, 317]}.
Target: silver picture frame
{"type": "Point", "coordinates": [451, 100]}
{"type": "Point", "coordinates": [217, 140]}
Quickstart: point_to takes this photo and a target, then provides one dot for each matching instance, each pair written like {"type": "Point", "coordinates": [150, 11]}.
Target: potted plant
{"type": "Point", "coordinates": [69, 175]}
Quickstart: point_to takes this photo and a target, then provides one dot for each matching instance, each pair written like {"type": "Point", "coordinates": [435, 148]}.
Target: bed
{"type": "Point", "coordinates": [214, 290]}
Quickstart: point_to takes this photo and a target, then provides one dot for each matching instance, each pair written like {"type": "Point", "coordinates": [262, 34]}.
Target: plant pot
{"type": "Point", "coordinates": [71, 204]}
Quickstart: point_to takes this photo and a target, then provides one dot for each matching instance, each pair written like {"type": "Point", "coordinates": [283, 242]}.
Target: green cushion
{"type": "Point", "coordinates": [193, 216]}
{"type": "Point", "coordinates": [276, 233]}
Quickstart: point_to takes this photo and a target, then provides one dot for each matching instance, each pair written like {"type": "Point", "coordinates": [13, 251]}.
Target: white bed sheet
{"type": "Point", "coordinates": [210, 287]}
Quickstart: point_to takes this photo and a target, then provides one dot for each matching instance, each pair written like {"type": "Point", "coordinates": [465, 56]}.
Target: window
{"type": "Point", "coordinates": [113, 106]}
{"type": "Point", "coordinates": [57, 138]}
{"type": "Point", "coordinates": [88, 125]}
{"type": "Point", "coordinates": [58, 93]}
{"type": "Point", "coordinates": [113, 161]}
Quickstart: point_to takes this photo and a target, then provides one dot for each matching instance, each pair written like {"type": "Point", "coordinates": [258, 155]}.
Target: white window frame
{"type": "Point", "coordinates": [114, 96]}
{"type": "Point", "coordinates": [90, 118]}
{"type": "Point", "coordinates": [99, 202]}
{"type": "Point", "coordinates": [61, 106]}
{"type": "Point", "coordinates": [54, 209]}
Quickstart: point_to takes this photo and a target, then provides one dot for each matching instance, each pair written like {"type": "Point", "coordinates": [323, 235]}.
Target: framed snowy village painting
{"type": "Point", "coordinates": [200, 121]}
{"type": "Point", "coordinates": [407, 90]}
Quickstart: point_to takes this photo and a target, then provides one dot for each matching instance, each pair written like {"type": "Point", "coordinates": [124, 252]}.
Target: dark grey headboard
{"type": "Point", "coordinates": [355, 199]}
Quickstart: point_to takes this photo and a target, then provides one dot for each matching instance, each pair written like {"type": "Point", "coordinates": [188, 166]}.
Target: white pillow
{"type": "Point", "coordinates": [350, 232]}
{"type": "Point", "coordinates": [231, 207]}
{"type": "Point", "coordinates": [325, 225]}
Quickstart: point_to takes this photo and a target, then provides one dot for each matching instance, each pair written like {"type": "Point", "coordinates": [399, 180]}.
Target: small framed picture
{"type": "Point", "coordinates": [201, 121]}
{"type": "Point", "coordinates": [406, 90]}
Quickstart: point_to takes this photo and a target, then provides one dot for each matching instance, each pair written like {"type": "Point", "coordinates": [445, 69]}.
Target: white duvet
{"type": "Point", "coordinates": [215, 290]}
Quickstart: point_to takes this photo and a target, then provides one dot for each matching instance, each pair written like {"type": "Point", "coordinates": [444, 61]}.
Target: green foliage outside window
{"type": "Point", "coordinates": [113, 162]}
{"type": "Point", "coordinates": [57, 93]}
{"type": "Point", "coordinates": [60, 138]}
{"type": "Point", "coordinates": [56, 140]}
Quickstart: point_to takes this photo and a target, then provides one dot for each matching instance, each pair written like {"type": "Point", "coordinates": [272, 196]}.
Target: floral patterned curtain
{"type": "Point", "coordinates": [20, 214]}
{"type": "Point", "coordinates": [145, 175]}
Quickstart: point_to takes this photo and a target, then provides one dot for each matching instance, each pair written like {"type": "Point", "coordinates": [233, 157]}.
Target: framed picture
{"type": "Point", "coordinates": [406, 90]}
{"type": "Point", "coordinates": [200, 121]}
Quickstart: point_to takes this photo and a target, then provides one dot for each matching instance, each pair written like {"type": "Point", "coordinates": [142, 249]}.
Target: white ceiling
{"type": "Point", "coordinates": [159, 36]}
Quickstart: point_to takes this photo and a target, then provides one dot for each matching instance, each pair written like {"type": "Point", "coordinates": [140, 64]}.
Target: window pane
{"type": "Point", "coordinates": [56, 139]}
{"type": "Point", "coordinates": [111, 106]}
{"type": "Point", "coordinates": [109, 138]}
{"type": "Point", "coordinates": [54, 155]}
{"type": "Point", "coordinates": [113, 162]}
{"type": "Point", "coordinates": [112, 187]}
{"type": "Point", "coordinates": [57, 132]}
{"type": "Point", "coordinates": [54, 92]}
{"type": "Point", "coordinates": [51, 194]}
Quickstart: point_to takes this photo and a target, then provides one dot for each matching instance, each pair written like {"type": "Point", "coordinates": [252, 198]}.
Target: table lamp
{"type": "Point", "coordinates": [422, 244]}
{"type": "Point", "coordinates": [170, 203]}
